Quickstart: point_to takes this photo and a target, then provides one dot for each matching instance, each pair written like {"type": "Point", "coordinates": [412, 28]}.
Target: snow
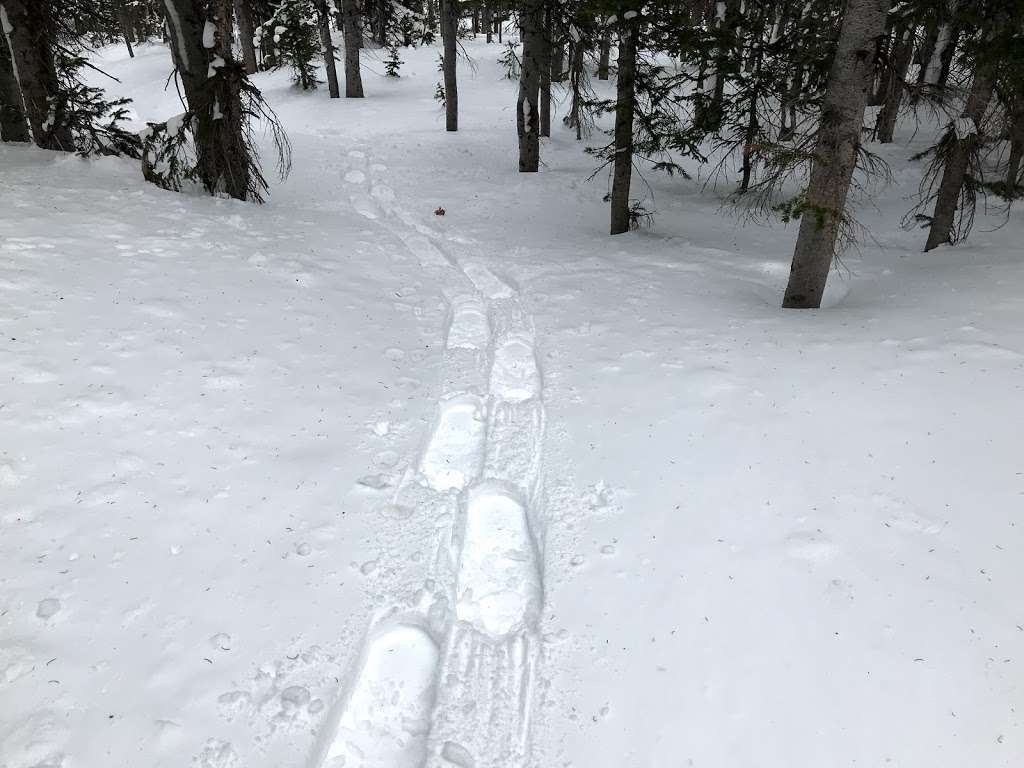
{"type": "Point", "coordinates": [209, 34]}
{"type": "Point", "coordinates": [256, 458]}
{"type": "Point", "coordinates": [964, 127]}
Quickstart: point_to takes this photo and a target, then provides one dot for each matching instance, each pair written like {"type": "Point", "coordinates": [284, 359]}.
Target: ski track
{"type": "Point", "coordinates": [449, 683]}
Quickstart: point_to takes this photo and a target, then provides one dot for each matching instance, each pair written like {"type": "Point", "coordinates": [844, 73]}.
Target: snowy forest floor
{"type": "Point", "coordinates": [768, 539]}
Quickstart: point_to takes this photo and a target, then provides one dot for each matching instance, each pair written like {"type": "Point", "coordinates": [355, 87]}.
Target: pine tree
{"type": "Point", "coordinates": [222, 106]}
{"type": "Point", "coordinates": [13, 125]}
{"type": "Point", "coordinates": [449, 36]}
{"type": "Point", "coordinates": [294, 30]}
{"type": "Point", "coordinates": [835, 152]}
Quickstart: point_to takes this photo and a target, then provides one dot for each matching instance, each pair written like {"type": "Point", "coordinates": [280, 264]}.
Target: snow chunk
{"type": "Point", "coordinates": [48, 608]}
{"type": "Point", "coordinates": [209, 35]}
{"type": "Point", "coordinates": [216, 64]}
{"type": "Point", "coordinates": [629, 15]}
{"type": "Point", "coordinates": [964, 127]}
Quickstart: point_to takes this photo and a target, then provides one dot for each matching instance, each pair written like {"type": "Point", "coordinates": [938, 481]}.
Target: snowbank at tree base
{"type": "Point", "coordinates": [772, 539]}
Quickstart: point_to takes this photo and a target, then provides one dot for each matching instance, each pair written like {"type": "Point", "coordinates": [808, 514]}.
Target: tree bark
{"type": "Point", "coordinates": [126, 27]}
{"type": "Point", "coordinates": [487, 23]}
{"type": "Point", "coordinates": [625, 106]}
{"type": "Point", "coordinates": [835, 152]}
{"type": "Point", "coordinates": [531, 23]}
{"type": "Point", "coordinates": [213, 95]}
{"type": "Point", "coordinates": [13, 126]}
{"type": "Point", "coordinates": [245, 33]}
{"type": "Point", "coordinates": [947, 202]}
{"type": "Point", "coordinates": [28, 27]}
{"type": "Point", "coordinates": [605, 55]}
{"type": "Point", "coordinates": [327, 46]}
{"type": "Point", "coordinates": [895, 84]}
{"type": "Point", "coordinates": [576, 75]}
{"type": "Point", "coordinates": [546, 64]}
{"type": "Point", "coordinates": [350, 22]}
{"type": "Point", "coordinates": [450, 37]}
{"type": "Point", "coordinates": [1016, 145]}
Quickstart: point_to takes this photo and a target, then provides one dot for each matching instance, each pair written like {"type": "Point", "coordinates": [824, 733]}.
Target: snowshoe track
{"type": "Point", "coordinates": [453, 685]}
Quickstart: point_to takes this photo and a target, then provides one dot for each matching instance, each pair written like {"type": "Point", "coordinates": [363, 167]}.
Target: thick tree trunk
{"type": "Point", "coordinates": [13, 126]}
{"type": "Point", "coordinates": [531, 23]}
{"type": "Point", "coordinates": [895, 83]}
{"type": "Point", "coordinates": [605, 55]}
{"type": "Point", "coordinates": [556, 50]}
{"type": "Point", "coordinates": [450, 36]}
{"type": "Point", "coordinates": [28, 27]}
{"type": "Point", "coordinates": [126, 27]}
{"type": "Point", "coordinates": [327, 46]}
{"type": "Point", "coordinates": [1016, 146]}
{"type": "Point", "coordinates": [835, 152]}
{"type": "Point", "coordinates": [546, 64]}
{"type": "Point", "coordinates": [213, 95]}
{"type": "Point", "coordinates": [245, 33]}
{"type": "Point", "coordinates": [350, 22]}
{"type": "Point", "coordinates": [625, 106]}
{"type": "Point", "coordinates": [965, 140]}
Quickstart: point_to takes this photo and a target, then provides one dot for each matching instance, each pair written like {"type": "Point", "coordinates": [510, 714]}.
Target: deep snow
{"type": "Point", "coordinates": [767, 538]}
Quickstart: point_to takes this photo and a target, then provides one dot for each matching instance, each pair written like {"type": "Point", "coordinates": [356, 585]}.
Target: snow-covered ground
{"type": "Point", "coordinates": [706, 532]}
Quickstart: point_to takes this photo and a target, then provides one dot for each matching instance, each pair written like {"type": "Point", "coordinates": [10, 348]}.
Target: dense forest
{"type": "Point", "coordinates": [773, 93]}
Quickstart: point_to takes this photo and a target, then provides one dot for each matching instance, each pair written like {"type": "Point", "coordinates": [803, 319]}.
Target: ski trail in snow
{"type": "Point", "coordinates": [451, 684]}
{"type": "Point", "coordinates": [386, 719]}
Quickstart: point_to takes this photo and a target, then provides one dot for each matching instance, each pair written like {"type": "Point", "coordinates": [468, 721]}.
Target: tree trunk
{"type": "Point", "coordinates": [350, 22]}
{"type": "Point", "coordinates": [546, 64]}
{"type": "Point", "coordinates": [488, 24]}
{"type": "Point", "coordinates": [324, 22]}
{"type": "Point", "coordinates": [223, 158]}
{"type": "Point", "coordinates": [947, 202]}
{"type": "Point", "coordinates": [1016, 146]}
{"type": "Point", "coordinates": [895, 84]}
{"type": "Point", "coordinates": [531, 22]}
{"type": "Point", "coordinates": [605, 55]}
{"type": "Point", "coordinates": [30, 37]}
{"type": "Point", "coordinates": [625, 106]}
{"type": "Point", "coordinates": [576, 75]}
{"type": "Point", "coordinates": [450, 37]}
{"type": "Point", "coordinates": [556, 48]}
{"type": "Point", "coordinates": [126, 27]}
{"type": "Point", "coordinates": [245, 35]}
{"type": "Point", "coordinates": [835, 152]}
{"type": "Point", "coordinates": [13, 126]}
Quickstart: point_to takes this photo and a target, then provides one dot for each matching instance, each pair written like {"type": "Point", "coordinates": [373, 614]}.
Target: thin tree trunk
{"type": "Point", "coordinates": [350, 22]}
{"type": "Point", "coordinates": [625, 106]}
{"type": "Point", "coordinates": [224, 159]}
{"type": "Point", "coordinates": [13, 126]}
{"type": "Point", "coordinates": [605, 55]}
{"type": "Point", "coordinates": [245, 35]}
{"type": "Point", "coordinates": [487, 22]}
{"type": "Point", "coordinates": [835, 152]}
{"type": "Point", "coordinates": [895, 84]}
{"type": "Point", "coordinates": [531, 23]}
{"type": "Point", "coordinates": [450, 36]}
{"type": "Point", "coordinates": [324, 22]}
{"type": "Point", "coordinates": [947, 201]}
{"type": "Point", "coordinates": [576, 75]}
{"type": "Point", "coordinates": [30, 37]}
{"type": "Point", "coordinates": [545, 75]}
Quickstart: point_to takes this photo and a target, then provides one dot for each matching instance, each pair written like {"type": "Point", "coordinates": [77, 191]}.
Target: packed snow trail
{"type": "Point", "coordinates": [450, 682]}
